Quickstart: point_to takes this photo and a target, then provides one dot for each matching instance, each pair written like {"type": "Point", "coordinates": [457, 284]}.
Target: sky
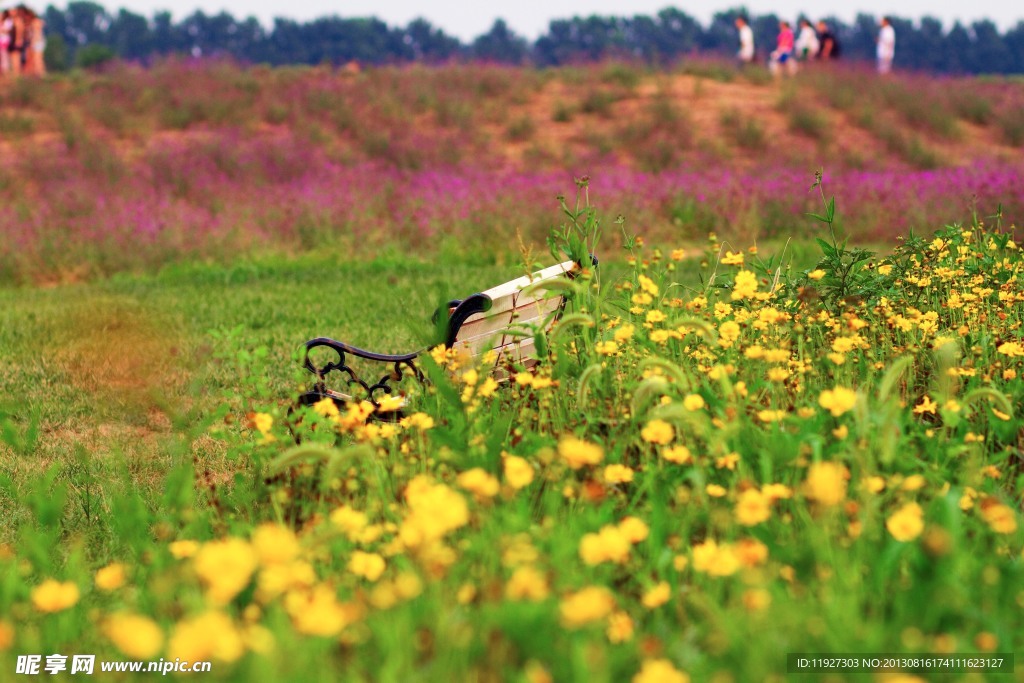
{"type": "Point", "coordinates": [467, 19]}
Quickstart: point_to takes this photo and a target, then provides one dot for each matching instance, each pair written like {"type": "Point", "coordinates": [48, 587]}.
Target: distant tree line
{"type": "Point", "coordinates": [85, 33]}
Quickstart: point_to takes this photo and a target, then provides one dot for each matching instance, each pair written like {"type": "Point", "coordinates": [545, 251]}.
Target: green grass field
{"type": "Point", "coordinates": [719, 462]}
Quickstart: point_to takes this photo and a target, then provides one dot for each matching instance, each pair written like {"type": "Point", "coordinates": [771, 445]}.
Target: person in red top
{"type": "Point", "coordinates": [782, 56]}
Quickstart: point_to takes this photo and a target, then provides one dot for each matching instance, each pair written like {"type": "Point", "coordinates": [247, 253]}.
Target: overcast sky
{"type": "Point", "coordinates": [530, 18]}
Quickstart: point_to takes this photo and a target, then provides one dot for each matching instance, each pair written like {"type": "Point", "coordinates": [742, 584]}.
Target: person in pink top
{"type": "Point", "coordinates": [782, 55]}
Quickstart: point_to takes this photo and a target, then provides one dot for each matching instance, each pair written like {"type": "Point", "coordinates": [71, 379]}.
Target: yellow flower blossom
{"type": "Point", "coordinates": [617, 474]}
{"type": "Point", "coordinates": [578, 453]}
{"type": "Point", "coordinates": [694, 402]}
{"type": "Point", "coordinates": [732, 259]}
{"type": "Point", "coordinates": [54, 596]}
{"type": "Point", "coordinates": [478, 482]}
{"type": "Point", "coordinates": [677, 454]}
{"type": "Point", "coordinates": [838, 400]}
{"type": "Point", "coordinates": [183, 549]}
{"type": "Point", "coordinates": [586, 606]}
{"type": "Point", "coordinates": [1000, 518]}
{"type": "Point", "coordinates": [274, 544]}
{"type": "Point", "coordinates": [658, 432]}
{"type": "Point", "coordinates": [716, 560]}
{"type": "Point", "coordinates": [752, 508]}
{"type": "Point", "coordinates": [209, 636]}
{"type": "Point", "coordinates": [111, 577]}
{"type": "Point", "coordinates": [518, 472]}
{"type": "Point", "coordinates": [527, 584]}
{"type": "Point", "coordinates": [225, 567]}
{"type": "Point", "coordinates": [906, 523]}
{"type": "Point", "coordinates": [370, 566]}
{"type": "Point", "coordinates": [634, 529]}
{"type": "Point", "coordinates": [136, 636]}
{"type": "Point", "coordinates": [607, 545]}
{"type": "Point", "coordinates": [826, 483]}
{"type": "Point", "coordinates": [659, 671]}
{"type": "Point", "coordinates": [656, 596]}
{"type": "Point", "coordinates": [745, 286]}
{"type": "Point", "coordinates": [620, 627]}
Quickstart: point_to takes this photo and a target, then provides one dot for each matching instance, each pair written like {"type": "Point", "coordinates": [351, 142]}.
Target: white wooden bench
{"type": "Point", "coordinates": [495, 320]}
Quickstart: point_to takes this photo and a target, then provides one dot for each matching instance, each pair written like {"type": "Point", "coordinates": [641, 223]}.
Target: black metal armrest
{"type": "Point", "coordinates": [400, 363]}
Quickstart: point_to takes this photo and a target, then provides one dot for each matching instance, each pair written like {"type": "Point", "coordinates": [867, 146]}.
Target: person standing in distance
{"type": "Point", "coordinates": [746, 51]}
{"type": "Point", "coordinates": [829, 46]}
{"type": "Point", "coordinates": [886, 46]}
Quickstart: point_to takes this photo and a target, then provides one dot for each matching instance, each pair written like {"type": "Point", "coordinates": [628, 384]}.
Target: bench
{"type": "Point", "coordinates": [492, 321]}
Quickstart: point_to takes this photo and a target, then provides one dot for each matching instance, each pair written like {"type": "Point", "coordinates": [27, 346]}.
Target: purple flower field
{"type": "Point", "coordinates": [94, 215]}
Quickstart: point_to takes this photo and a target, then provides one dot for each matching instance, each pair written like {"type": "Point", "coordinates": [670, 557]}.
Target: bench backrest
{"type": "Point", "coordinates": [487, 317]}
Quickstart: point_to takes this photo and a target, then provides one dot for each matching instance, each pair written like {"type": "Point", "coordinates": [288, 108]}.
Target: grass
{"type": "Point", "coordinates": [693, 462]}
{"type": "Point", "coordinates": [744, 131]}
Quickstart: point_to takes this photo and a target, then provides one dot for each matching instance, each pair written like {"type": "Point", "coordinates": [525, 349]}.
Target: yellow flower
{"type": "Point", "coordinates": [209, 636]}
{"type": "Point", "coordinates": [1011, 349]}
{"type": "Point", "coordinates": [420, 421]}
{"type": "Point", "coordinates": [318, 612]}
{"type": "Point", "coordinates": [647, 285]}
{"type": "Point", "coordinates": [677, 454]}
{"type": "Point", "coordinates": [907, 523]}
{"type": "Point", "coordinates": [6, 635]}
{"type": "Point", "coordinates": [608, 545]}
{"type": "Point", "coordinates": [527, 583]}
{"type": "Point", "coordinates": [618, 474]}
{"type": "Point", "coordinates": [624, 333]}
{"type": "Point", "coordinates": [478, 482]}
{"type": "Point", "coordinates": [606, 348]}
{"type": "Point", "coordinates": [370, 566]}
{"type": "Point", "coordinates": [714, 490]}
{"type": "Point", "coordinates": [999, 517]}
{"type": "Point", "coordinates": [816, 274]}
{"type": "Point", "coordinates": [274, 544]}
{"type": "Point", "coordinates": [111, 577]}
{"type": "Point", "coordinates": [391, 403]}
{"type": "Point", "coordinates": [634, 529]}
{"type": "Point", "coordinates": [586, 606]}
{"type": "Point", "coordinates": [756, 599]}
{"type": "Point", "coordinates": [659, 671]}
{"type": "Point", "coordinates": [658, 432]}
{"type": "Point", "coordinates": [838, 400]}
{"type": "Point", "coordinates": [884, 269]}
{"type": "Point", "coordinates": [657, 596]}
{"type": "Point", "coordinates": [183, 549]}
{"type": "Point", "coordinates": [518, 472]}
{"type": "Point", "coordinates": [752, 508]}
{"type": "Point", "coordinates": [714, 559]}
{"type": "Point", "coordinates": [351, 522]}
{"type": "Point", "coordinates": [745, 287]}
{"type": "Point", "coordinates": [225, 567]}
{"type": "Point", "coordinates": [434, 510]}
{"type": "Point", "coordinates": [325, 407]}
{"type": "Point", "coordinates": [54, 596]}
{"type": "Point", "coordinates": [578, 453]}
{"type": "Point", "coordinates": [774, 492]}
{"type": "Point", "coordinates": [874, 484]}
{"type": "Point", "coordinates": [751, 552]}
{"type": "Point", "coordinates": [136, 636]}
{"type": "Point", "coordinates": [732, 259]}
{"type": "Point", "coordinates": [655, 316]}
{"type": "Point", "coordinates": [263, 423]}
{"type": "Point", "coordinates": [620, 628]}
{"type": "Point", "coordinates": [826, 483]}
{"type": "Point", "coordinates": [727, 461]}
{"type": "Point", "coordinates": [769, 416]}
{"type": "Point", "coordinates": [927, 405]}
{"type": "Point", "coordinates": [693, 402]}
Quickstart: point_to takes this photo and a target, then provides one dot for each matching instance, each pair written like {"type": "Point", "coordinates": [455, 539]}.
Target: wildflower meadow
{"type": "Point", "coordinates": [730, 451]}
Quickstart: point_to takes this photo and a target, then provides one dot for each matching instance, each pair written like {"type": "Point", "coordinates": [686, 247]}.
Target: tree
{"type": "Point", "coordinates": [500, 45]}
